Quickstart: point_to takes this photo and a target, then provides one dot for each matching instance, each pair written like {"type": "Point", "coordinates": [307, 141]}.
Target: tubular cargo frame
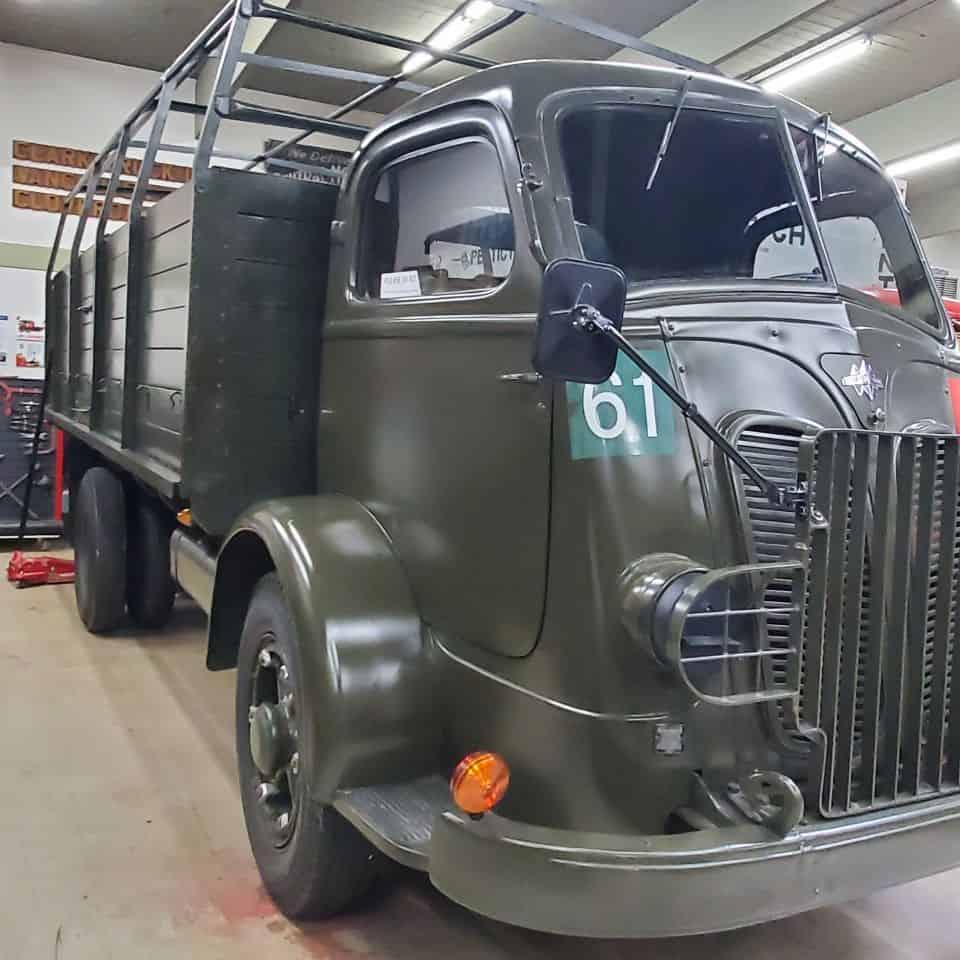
{"type": "Point", "coordinates": [78, 384]}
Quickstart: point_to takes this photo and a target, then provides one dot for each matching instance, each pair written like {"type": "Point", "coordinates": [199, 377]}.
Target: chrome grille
{"type": "Point", "coordinates": [880, 620]}
{"type": "Point", "coordinates": [900, 495]}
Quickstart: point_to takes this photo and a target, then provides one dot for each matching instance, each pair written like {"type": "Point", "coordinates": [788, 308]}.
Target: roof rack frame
{"type": "Point", "coordinates": [226, 32]}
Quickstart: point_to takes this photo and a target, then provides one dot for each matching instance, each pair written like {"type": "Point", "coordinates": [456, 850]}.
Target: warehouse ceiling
{"type": "Point", "coordinates": [902, 95]}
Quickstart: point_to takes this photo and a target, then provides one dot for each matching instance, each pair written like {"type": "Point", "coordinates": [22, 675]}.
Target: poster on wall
{"type": "Point", "coordinates": [21, 347]}
{"type": "Point", "coordinates": [294, 160]}
{"type": "Point", "coordinates": [7, 347]}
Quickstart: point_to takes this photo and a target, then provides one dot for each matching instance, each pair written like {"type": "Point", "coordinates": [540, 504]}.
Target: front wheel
{"type": "Point", "coordinates": [313, 863]}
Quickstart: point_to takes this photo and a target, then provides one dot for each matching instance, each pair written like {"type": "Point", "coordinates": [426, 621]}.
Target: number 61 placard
{"type": "Point", "coordinates": [625, 417]}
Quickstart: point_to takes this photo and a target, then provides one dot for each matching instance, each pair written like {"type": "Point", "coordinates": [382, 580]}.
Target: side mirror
{"type": "Point", "coordinates": [564, 350]}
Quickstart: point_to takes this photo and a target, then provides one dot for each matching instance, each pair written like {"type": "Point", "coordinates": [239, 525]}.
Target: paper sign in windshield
{"type": "Point", "coordinates": [400, 283]}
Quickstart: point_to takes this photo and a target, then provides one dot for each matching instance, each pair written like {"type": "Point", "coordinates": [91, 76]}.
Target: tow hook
{"type": "Point", "coordinates": [768, 798]}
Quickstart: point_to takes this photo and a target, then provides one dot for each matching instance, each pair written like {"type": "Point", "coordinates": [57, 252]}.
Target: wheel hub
{"type": "Point", "coordinates": [273, 740]}
{"type": "Point", "coordinates": [270, 741]}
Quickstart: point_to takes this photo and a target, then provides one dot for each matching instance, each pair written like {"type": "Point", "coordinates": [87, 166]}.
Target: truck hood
{"type": "Point", "coordinates": [657, 485]}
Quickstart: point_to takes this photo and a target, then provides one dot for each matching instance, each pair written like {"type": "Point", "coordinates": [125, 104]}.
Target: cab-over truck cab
{"type": "Point", "coordinates": [603, 483]}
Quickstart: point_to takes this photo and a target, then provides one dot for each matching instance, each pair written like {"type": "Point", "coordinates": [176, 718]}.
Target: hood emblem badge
{"type": "Point", "coordinates": [864, 381]}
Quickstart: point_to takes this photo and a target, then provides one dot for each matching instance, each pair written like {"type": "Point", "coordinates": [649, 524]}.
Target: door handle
{"type": "Point", "coordinates": [528, 377]}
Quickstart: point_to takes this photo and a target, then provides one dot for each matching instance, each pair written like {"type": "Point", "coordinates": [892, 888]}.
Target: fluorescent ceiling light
{"type": "Point", "coordinates": [477, 9]}
{"type": "Point", "coordinates": [451, 32]}
{"type": "Point", "coordinates": [923, 161]}
{"type": "Point", "coordinates": [416, 61]}
{"type": "Point", "coordinates": [814, 64]}
{"type": "Point", "coordinates": [448, 34]}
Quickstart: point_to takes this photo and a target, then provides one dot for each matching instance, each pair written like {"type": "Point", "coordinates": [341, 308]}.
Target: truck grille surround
{"type": "Point", "coordinates": [879, 627]}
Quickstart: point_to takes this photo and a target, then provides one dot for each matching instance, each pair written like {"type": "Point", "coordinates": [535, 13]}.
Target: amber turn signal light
{"type": "Point", "coordinates": [479, 782]}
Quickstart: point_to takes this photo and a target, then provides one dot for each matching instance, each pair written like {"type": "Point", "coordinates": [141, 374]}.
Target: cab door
{"type": "Point", "coordinates": [431, 414]}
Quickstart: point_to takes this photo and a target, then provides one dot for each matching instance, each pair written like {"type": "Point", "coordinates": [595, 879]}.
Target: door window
{"type": "Point", "coordinates": [437, 223]}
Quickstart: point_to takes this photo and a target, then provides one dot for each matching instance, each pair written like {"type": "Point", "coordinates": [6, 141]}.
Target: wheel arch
{"type": "Point", "coordinates": [371, 714]}
{"type": "Point", "coordinates": [242, 561]}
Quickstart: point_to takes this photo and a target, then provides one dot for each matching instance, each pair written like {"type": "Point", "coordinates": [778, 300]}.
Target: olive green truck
{"type": "Point", "coordinates": [581, 523]}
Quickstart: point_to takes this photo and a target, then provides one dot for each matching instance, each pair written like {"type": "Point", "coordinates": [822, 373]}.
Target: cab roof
{"type": "Point", "coordinates": [518, 89]}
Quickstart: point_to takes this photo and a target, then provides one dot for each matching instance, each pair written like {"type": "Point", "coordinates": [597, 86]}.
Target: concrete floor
{"type": "Point", "coordinates": [121, 834]}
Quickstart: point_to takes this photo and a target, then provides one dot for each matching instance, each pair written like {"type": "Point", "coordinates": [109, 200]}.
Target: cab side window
{"type": "Point", "coordinates": [437, 222]}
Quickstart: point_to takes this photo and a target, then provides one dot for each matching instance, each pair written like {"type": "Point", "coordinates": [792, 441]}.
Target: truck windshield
{"type": "Point", "coordinates": [722, 172]}
{"type": "Point", "coordinates": [864, 231]}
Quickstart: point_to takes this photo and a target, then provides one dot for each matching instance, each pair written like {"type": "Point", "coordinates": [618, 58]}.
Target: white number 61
{"type": "Point", "coordinates": [592, 401]}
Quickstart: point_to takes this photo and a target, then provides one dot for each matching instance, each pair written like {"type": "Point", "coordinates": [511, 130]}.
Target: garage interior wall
{"type": "Point", "coordinates": [74, 102]}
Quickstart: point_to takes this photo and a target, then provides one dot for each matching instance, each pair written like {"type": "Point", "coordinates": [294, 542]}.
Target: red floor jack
{"type": "Point", "coordinates": [27, 571]}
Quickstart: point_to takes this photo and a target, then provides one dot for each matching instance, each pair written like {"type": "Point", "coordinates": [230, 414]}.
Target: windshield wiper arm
{"type": "Point", "coordinates": [668, 131]}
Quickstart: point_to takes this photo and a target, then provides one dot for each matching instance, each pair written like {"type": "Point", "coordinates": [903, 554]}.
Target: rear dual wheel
{"type": "Point", "coordinates": [150, 586]}
{"type": "Point", "coordinates": [312, 861]}
{"type": "Point", "coordinates": [122, 557]}
{"type": "Point", "coordinates": [100, 549]}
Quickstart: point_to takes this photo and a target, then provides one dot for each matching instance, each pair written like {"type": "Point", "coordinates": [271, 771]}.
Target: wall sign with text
{"type": "Point", "coordinates": [40, 183]}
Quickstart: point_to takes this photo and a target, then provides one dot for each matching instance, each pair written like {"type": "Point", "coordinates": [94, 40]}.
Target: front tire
{"type": "Point", "coordinates": [100, 549]}
{"type": "Point", "coordinates": [312, 862]}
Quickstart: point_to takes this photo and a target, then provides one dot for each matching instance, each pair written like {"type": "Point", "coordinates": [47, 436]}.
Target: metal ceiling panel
{"type": "Point", "coordinates": [138, 34]}
{"type": "Point", "coordinates": [915, 49]}
{"type": "Point", "coordinates": [712, 29]}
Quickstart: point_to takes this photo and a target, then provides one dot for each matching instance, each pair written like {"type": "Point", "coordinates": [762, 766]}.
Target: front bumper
{"type": "Point", "coordinates": [597, 885]}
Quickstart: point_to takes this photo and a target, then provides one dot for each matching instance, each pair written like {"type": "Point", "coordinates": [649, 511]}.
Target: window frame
{"type": "Point", "coordinates": [367, 191]}
{"type": "Point", "coordinates": [943, 331]}
{"type": "Point", "coordinates": [557, 106]}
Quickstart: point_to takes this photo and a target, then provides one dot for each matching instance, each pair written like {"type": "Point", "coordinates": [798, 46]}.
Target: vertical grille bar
{"type": "Point", "coordinates": [835, 646]}
{"type": "Point", "coordinates": [850, 634]}
{"type": "Point", "coordinates": [944, 626]}
{"type": "Point", "coordinates": [880, 543]}
{"type": "Point", "coordinates": [817, 601]}
{"type": "Point", "coordinates": [895, 656]}
{"type": "Point", "coordinates": [921, 504]}
{"type": "Point", "coordinates": [951, 770]}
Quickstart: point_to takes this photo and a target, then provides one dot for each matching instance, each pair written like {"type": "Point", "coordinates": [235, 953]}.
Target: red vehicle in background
{"type": "Point", "coordinates": [892, 296]}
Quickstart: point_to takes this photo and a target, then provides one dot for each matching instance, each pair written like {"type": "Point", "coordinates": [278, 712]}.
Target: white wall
{"type": "Point", "coordinates": [74, 102]}
{"type": "Point", "coordinates": [20, 293]}
{"type": "Point", "coordinates": [944, 251]}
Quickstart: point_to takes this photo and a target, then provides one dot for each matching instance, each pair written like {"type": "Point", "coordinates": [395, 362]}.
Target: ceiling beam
{"type": "Point", "coordinates": [711, 30]}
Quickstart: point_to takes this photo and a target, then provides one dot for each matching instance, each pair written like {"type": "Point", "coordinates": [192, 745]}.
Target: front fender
{"type": "Point", "coordinates": [369, 714]}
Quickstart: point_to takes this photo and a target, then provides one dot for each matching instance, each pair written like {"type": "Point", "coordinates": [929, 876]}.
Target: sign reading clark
{"type": "Point", "coordinates": [39, 187]}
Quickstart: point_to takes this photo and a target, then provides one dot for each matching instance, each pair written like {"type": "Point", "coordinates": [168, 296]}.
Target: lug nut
{"type": "Point", "coordinates": [283, 820]}
{"type": "Point", "coordinates": [265, 791]}
{"type": "Point", "coordinates": [264, 658]}
{"type": "Point", "coordinates": [251, 713]}
{"type": "Point", "coordinates": [295, 764]}
{"type": "Point", "coordinates": [284, 672]}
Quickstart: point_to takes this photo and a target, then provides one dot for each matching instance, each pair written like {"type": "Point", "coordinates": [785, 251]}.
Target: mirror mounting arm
{"type": "Point", "coordinates": [587, 318]}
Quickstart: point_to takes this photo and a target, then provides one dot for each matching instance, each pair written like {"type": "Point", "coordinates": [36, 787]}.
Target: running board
{"type": "Point", "coordinates": [397, 818]}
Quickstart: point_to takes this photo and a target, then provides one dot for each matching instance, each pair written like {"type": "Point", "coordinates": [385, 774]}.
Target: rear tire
{"type": "Point", "coordinates": [314, 863]}
{"type": "Point", "coordinates": [100, 549]}
{"type": "Point", "coordinates": [150, 587]}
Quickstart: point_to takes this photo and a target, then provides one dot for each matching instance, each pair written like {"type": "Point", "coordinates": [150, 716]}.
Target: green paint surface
{"type": "Point", "coordinates": [625, 417]}
{"type": "Point", "coordinates": [27, 256]}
